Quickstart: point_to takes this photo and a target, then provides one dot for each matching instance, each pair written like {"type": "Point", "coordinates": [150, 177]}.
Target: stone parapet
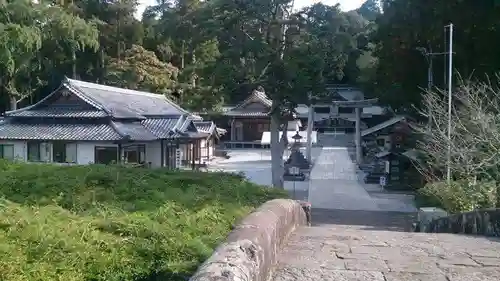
{"type": "Point", "coordinates": [249, 253]}
{"type": "Point", "coordinates": [480, 222]}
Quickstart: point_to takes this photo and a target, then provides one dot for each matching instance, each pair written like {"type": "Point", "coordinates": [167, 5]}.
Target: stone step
{"type": "Point", "coordinates": [391, 220]}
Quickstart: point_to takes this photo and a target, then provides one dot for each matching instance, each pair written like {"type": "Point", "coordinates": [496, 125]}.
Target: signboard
{"type": "Point", "coordinates": [387, 167]}
{"type": "Point", "coordinates": [178, 158]}
{"type": "Point", "coordinates": [382, 181]}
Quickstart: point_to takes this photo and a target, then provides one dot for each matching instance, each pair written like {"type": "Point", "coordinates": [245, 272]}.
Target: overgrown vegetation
{"type": "Point", "coordinates": [458, 196]}
{"type": "Point", "coordinates": [473, 146]}
{"type": "Point", "coordinates": [115, 223]}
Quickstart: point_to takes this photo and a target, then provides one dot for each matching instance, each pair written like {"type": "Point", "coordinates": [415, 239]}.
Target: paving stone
{"type": "Point", "coordinates": [312, 261]}
{"type": "Point", "coordinates": [485, 261]}
{"type": "Point", "coordinates": [301, 274]}
{"type": "Point", "coordinates": [336, 247]}
{"type": "Point", "coordinates": [408, 276]}
{"type": "Point", "coordinates": [376, 250]}
{"type": "Point", "coordinates": [413, 266]}
{"type": "Point", "coordinates": [472, 274]}
{"type": "Point", "coordinates": [457, 260]}
{"type": "Point", "coordinates": [366, 264]}
{"type": "Point", "coordinates": [489, 253]}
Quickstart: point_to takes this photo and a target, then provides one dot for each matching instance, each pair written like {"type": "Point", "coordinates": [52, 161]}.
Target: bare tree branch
{"type": "Point", "coordinates": [475, 132]}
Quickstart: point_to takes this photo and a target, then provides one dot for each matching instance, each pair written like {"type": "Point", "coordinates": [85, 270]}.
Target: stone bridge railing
{"type": "Point", "coordinates": [251, 248]}
{"type": "Point", "coordinates": [480, 222]}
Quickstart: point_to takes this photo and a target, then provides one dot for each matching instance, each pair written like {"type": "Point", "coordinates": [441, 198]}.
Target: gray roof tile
{"type": "Point", "coordinates": [54, 112]}
{"type": "Point", "coordinates": [134, 131]}
{"type": "Point", "coordinates": [204, 126]}
{"type": "Point", "coordinates": [157, 117]}
{"type": "Point", "coordinates": [160, 127]}
{"type": "Point", "coordinates": [256, 96]}
{"type": "Point", "coordinates": [236, 113]}
{"type": "Point", "coordinates": [70, 132]}
{"type": "Point", "coordinates": [125, 103]}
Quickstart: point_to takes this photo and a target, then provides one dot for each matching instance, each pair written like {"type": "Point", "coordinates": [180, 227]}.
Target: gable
{"type": "Point", "coordinates": [254, 106]}
{"type": "Point", "coordinates": [337, 97]}
{"type": "Point", "coordinates": [257, 101]}
{"type": "Point", "coordinates": [62, 97]}
{"type": "Point", "coordinates": [191, 127]}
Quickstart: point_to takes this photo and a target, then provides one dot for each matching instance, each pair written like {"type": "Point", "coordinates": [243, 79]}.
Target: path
{"type": "Point", "coordinates": [336, 182]}
{"type": "Point", "coordinates": [357, 236]}
{"type": "Point", "coordinates": [371, 246]}
{"type": "Point", "coordinates": [256, 165]}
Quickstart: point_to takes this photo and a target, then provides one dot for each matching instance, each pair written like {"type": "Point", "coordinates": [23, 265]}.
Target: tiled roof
{"type": "Point", "coordinates": [204, 126]}
{"type": "Point", "coordinates": [54, 112]}
{"type": "Point", "coordinates": [156, 117]}
{"type": "Point", "coordinates": [382, 125]}
{"type": "Point", "coordinates": [125, 103]}
{"type": "Point", "coordinates": [161, 127]}
{"type": "Point", "coordinates": [70, 132]}
{"type": "Point", "coordinates": [256, 96]}
{"type": "Point", "coordinates": [245, 113]}
{"type": "Point", "coordinates": [133, 131]}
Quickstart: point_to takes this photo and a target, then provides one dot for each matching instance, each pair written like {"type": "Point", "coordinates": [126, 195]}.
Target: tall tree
{"type": "Point", "coordinates": [407, 25]}
{"type": "Point", "coordinates": [20, 40]}
{"type": "Point", "coordinates": [69, 34]}
{"type": "Point", "coordinates": [290, 55]}
{"type": "Point", "coordinates": [140, 69]}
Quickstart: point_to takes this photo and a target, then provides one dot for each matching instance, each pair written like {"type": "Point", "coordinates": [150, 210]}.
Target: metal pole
{"type": "Point", "coordinates": [429, 84]}
{"type": "Point", "coordinates": [450, 77]}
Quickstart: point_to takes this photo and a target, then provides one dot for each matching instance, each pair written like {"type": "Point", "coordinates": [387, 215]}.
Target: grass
{"type": "Point", "coordinates": [90, 223]}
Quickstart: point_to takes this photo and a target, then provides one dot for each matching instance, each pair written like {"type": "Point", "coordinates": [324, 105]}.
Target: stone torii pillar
{"type": "Point", "coordinates": [358, 105]}
{"type": "Point", "coordinates": [310, 124]}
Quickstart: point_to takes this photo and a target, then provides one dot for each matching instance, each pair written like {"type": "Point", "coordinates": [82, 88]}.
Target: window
{"type": "Point", "coordinates": [105, 154]}
{"type": "Point", "coordinates": [38, 151]}
{"type": "Point", "coordinates": [134, 154]}
{"type": "Point", "coordinates": [7, 151]}
{"type": "Point", "coordinates": [63, 152]}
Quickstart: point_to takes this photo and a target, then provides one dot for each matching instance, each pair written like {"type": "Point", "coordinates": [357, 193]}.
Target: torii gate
{"type": "Point", "coordinates": [358, 105]}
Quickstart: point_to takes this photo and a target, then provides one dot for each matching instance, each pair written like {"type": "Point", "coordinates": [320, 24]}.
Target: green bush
{"type": "Point", "coordinates": [458, 196]}
{"type": "Point", "coordinates": [90, 223]}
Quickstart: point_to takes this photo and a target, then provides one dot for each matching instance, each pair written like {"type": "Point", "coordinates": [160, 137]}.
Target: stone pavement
{"type": "Point", "coordinates": [372, 246]}
{"type": "Point", "coordinates": [337, 183]}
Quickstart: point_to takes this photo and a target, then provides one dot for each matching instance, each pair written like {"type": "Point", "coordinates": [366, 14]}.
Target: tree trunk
{"type": "Point", "coordinates": [277, 149]}
{"type": "Point", "coordinates": [13, 103]}
{"type": "Point", "coordinates": [193, 75]}
{"type": "Point", "coordinates": [73, 64]}
{"type": "Point", "coordinates": [183, 46]}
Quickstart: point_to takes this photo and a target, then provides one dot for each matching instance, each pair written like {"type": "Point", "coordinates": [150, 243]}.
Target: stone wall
{"type": "Point", "coordinates": [250, 250]}
{"type": "Point", "coordinates": [480, 222]}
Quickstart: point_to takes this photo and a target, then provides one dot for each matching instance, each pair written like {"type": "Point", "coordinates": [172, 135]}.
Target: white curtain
{"type": "Point", "coordinates": [71, 152]}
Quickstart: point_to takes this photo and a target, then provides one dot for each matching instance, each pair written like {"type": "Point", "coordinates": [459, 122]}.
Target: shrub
{"type": "Point", "coordinates": [115, 223]}
{"type": "Point", "coordinates": [458, 196]}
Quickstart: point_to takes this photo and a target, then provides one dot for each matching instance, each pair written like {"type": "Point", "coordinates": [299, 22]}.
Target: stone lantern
{"type": "Point", "coordinates": [296, 163]}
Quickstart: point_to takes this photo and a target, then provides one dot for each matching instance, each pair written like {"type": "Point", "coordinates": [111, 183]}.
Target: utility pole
{"type": "Point", "coordinates": [429, 56]}
{"type": "Point", "coordinates": [450, 77]}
